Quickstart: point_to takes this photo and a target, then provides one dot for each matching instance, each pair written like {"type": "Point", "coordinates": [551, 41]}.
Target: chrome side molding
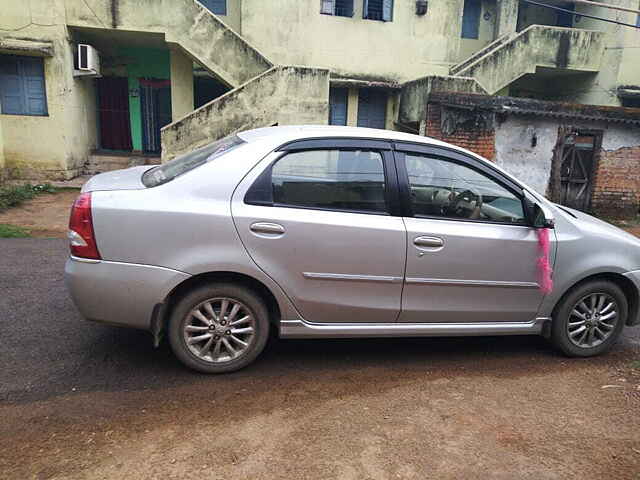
{"type": "Point", "coordinates": [351, 277]}
{"type": "Point", "coordinates": [471, 283]}
{"type": "Point", "coordinates": [416, 280]}
{"type": "Point", "coordinates": [302, 329]}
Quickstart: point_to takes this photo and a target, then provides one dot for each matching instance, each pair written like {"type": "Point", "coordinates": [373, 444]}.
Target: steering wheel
{"type": "Point", "coordinates": [467, 196]}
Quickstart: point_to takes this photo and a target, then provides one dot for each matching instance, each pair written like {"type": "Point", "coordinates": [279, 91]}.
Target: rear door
{"type": "Point", "coordinates": [318, 218]}
{"type": "Point", "coordinates": [471, 255]}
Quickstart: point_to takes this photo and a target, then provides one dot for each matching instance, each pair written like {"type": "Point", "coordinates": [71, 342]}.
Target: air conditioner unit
{"type": "Point", "coordinates": [88, 61]}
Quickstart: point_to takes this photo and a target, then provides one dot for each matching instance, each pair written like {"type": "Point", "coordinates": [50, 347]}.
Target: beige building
{"type": "Point", "coordinates": [89, 85]}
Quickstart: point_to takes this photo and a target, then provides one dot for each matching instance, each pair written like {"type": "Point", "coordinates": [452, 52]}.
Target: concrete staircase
{"type": "Point", "coordinates": [105, 162]}
{"type": "Point", "coordinates": [262, 94]}
{"type": "Point", "coordinates": [458, 70]}
{"type": "Point", "coordinates": [185, 24]}
{"type": "Point", "coordinates": [282, 95]}
{"type": "Point", "coordinates": [512, 56]}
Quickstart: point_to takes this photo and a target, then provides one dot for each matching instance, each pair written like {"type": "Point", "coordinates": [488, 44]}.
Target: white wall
{"type": "Point", "coordinates": [532, 165]}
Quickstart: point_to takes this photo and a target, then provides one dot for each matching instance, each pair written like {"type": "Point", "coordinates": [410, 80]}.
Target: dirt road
{"type": "Point", "coordinates": [45, 216]}
{"type": "Point", "coordinates": [86, 401]}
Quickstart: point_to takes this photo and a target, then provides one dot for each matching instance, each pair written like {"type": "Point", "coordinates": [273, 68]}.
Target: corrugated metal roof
{"type": "Point", "coordinates": [543, 108]}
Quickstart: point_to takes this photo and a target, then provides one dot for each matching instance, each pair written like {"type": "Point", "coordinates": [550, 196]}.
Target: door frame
{"type": "Point", "coordinates": [150, 117]}
{"type": "Point", "coordinates": [263, 182]}
{"type": "Point", "coordinates": [555, 187]}
{"type": "Point", "coordinates": [454, 156]}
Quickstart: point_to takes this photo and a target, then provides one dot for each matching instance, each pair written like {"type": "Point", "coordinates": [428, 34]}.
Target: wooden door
{"type": "Point", "coordinates": [113, 113]}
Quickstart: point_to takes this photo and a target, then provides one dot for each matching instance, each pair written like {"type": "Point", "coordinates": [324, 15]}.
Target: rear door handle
{"type": "Point", "coordinates": [428, 242]}
{"type": "Point", "coordinates": [267, 228]}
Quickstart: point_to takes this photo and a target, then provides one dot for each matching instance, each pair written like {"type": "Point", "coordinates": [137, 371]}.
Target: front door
{"type": "Point", "coordinates": [471, 257]}
{"type": "Point", "coordinates": [576, 171]}
{"type": "Point", "coordinates": [113, 113]}
{"type": "Point", "coordinates": [319, 223]}
{"type": "Point", "coordinates": [155, 102]}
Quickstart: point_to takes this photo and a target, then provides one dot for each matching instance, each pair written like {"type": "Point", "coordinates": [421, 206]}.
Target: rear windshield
{"type": "Point", "coordinates": [184, 163]}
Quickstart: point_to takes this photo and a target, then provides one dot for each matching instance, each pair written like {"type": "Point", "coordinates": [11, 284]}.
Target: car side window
{"type": "Point", "coordinates": [441, 188]}
{"type": "Point", "coordinates": [351, 180]}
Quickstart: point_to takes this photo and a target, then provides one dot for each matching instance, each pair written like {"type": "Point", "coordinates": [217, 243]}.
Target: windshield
{"type": "Point", "coordinates": [184, 163]}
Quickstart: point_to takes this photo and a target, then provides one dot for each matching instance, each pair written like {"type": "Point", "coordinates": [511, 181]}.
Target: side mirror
{"type": "Point", "coordinates": [541, 216]}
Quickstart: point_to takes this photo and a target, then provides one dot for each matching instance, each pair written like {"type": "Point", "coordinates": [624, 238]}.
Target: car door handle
{"type": "Point", "coordinates": [428, 242]}
{"type": "Point", "coordinates": [267, 228]}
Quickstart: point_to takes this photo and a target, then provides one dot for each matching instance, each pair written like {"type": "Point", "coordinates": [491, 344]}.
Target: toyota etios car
{"type": "Point", "coordinates": [341, 232]}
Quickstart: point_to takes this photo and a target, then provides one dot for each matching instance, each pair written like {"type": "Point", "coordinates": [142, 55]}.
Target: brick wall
{"type": "Point", "coordinates": [478, 141]}
{"type": "Point", "coordinates": [616, 189]}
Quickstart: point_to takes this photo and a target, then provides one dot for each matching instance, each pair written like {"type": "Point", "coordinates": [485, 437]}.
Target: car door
{"type": "Point", "coordinates": [318, 218]}
{"type": "Point", "coordinates": [471, 254]}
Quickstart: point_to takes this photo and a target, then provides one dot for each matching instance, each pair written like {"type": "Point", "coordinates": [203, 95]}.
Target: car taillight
{"type": "Point", "coordinates": [82, 240]}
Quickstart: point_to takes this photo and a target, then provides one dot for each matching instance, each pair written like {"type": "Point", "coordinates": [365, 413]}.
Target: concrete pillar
{"type": "Point", "coordinates": [507, 21]}
{"type": "Point", "coordinates": [181, 85]}
{"type": "Point", "coordinates": [392, 111]}
{"type": "Point", "coordinates": [352, 108]}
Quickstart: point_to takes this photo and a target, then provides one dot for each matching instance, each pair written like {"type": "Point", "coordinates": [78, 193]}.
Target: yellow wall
{"type": "Point", "coordinates": [294, 32]}
{"type": "Point", "coordinates": [621, 58]}
{"type": "Point", "coordinates": [233, 16]}
{"type": "Point", "coordinates": [485, 33]}
{"type": "Point", "coordinates": [181, 85]}
{"type": "Point", "coordinates": [629, 74]}
{"type": "Point", "coordinates": [53, 146]}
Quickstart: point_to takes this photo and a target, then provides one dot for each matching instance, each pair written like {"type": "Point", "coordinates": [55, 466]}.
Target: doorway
{"type": "Point", "coordinates": [575, 164]}
{"type": "Point", "coordinates": [113, 113]}
{"type": "Point", "coordinates": [155, 105]}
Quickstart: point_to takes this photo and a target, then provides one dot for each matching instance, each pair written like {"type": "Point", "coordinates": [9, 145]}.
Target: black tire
{"type": "Point", "coordinates": [181, 314]}
{"type": "Point", "coordinates": [559, 327]}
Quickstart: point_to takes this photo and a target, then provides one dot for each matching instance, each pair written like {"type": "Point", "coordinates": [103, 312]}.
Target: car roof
{"type": "Point", "coordinates": [301, 132]}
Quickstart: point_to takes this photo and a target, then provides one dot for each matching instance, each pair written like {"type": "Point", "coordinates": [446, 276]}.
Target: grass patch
{"type": "Point", "coordinates": [11, 231]}
{"type": "Point", "coordinates": [635, 364]}
{"type": "Point", "coordinates": [14, 195]}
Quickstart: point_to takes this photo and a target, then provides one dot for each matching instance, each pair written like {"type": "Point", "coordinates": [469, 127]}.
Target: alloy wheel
{"type": "Point", "coordinates": [219, 330]}
{"type": "Point", "coordinates": [592, 320]}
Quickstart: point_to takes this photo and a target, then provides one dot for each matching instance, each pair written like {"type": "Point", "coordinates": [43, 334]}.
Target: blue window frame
{"type": "Point", "coordinates": [339, 8]}
{"type": "Point", "coordinates": [219, 7]}
{"type": "Point", "coordinates": [372, 108]}
{"type": "Point", "coordinates": [471, 18]}
{"type": "Point", "coordinates": [378, 10]}
{"type": "Point", "coordinates": [22, 88]}
{"type": "Point", "coordinates": [338, 106]}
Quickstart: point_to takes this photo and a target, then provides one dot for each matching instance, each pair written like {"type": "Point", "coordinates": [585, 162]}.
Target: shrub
{"type": "Point", "coordinates": [12, 196]}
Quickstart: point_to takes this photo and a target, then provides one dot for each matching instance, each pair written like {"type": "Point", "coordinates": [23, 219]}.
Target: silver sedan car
{"type": "Point", "coordinates": [319, 232]}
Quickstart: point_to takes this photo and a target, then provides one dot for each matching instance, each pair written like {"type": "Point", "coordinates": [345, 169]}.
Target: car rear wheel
{"type": "Point", "coordinates": [589, 319]}
{"type": "Point", "coordinates": [219, 328]}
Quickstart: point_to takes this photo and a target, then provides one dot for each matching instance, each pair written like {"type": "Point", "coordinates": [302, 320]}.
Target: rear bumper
{"type": "Point", "coordinates": [119, 293]}
{"type": "Point", "coordinates": [634, 317]}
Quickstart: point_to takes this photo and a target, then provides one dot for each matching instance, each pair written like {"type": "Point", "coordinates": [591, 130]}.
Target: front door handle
{"type": "Point", "coordinates": [428, 242]}
{"type": "Point", "coordinates": [267, 228]}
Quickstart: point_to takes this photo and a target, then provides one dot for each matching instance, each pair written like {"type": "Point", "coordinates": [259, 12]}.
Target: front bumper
{"type": "Point", "coordinates": [119, 293]}
{"type": "Point", "coordinates": [634, 316]}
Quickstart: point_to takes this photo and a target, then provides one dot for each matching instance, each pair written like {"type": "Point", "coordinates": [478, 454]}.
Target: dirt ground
{"type": "Point", "coordinates": [45, 216]}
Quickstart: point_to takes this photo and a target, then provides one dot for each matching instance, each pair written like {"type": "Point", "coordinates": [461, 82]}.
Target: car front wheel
{"type": "Point", "coordinates": [219, 328]}
{"type": "Point", "coordinates": [589, 320]}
